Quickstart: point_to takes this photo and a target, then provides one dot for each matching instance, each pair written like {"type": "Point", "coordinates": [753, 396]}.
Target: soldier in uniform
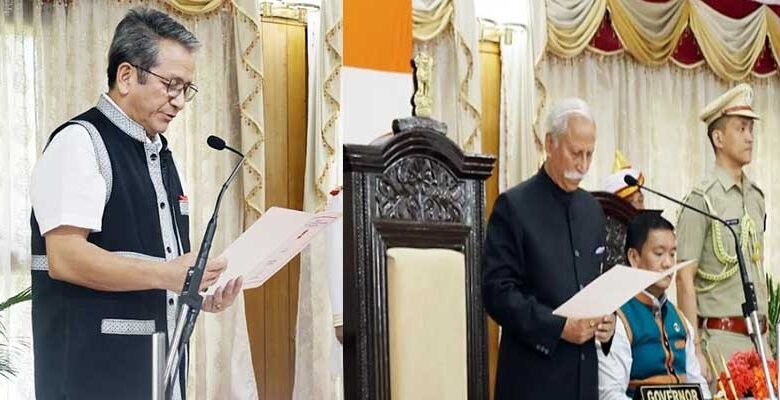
{"type": "Point", "coordinates": [617, 186]}
{"type": "Point", "coordinates": [710, 294]}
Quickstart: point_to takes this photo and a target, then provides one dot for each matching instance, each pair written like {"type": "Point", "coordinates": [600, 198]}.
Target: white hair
{"type": "Point", "coordinates": [558, 117]}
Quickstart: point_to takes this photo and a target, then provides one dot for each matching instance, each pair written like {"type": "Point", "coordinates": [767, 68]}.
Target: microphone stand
{"type": "Point", "coordinates": [190, 301]}
{"type": "Point", "coordinates": [750, 306]}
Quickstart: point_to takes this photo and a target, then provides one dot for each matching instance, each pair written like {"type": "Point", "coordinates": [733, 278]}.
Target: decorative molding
{"type": "Point", "coordinates": [420, 189]}
{"type": "Point", "coordinates": [419, 139]}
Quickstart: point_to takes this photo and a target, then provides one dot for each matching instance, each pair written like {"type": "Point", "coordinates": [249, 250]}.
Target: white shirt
{"type": "Point", "coordinates": [615, 368]}
{"type": "Point", "coordinates": [67, 188]}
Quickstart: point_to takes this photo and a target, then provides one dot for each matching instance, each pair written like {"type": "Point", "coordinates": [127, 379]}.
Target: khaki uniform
{"type": "Point", "coordinates": [718, 286]}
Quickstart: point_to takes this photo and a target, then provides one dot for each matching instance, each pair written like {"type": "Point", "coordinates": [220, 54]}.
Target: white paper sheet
{"type": "Point", "coordinates": [611, 290]}
{"type": "Point", "coordinates": [270, 243]}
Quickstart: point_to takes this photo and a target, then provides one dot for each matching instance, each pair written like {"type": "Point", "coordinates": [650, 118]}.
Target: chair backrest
{"type": "Point", "coordinates": [405, 192]}
{"type": "Point", "coordinates": [619, 213]}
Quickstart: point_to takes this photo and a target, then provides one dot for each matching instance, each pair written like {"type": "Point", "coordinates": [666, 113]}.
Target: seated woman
{"type": "Point", "coordinates": [652, 342]}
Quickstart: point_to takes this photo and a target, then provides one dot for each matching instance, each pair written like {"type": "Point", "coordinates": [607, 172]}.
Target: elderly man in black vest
{"type": "Point", "coordinates": [110, 224]}
{"type": "Point", "coordinates": [545, 241]}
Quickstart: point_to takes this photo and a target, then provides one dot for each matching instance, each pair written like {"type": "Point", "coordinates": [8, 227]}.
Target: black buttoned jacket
{"type": "Point", "coordinates": [542, 245]}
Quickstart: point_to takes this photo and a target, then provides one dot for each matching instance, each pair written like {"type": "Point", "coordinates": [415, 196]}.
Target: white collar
{"type": "Point", "coordinates": [658, 302]}
{"type": "Point", "coordinates": [116, 115]}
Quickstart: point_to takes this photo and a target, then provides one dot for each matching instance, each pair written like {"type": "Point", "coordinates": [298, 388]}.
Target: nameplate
{"type": "Point", "coordinates": [732, 222]}
{"type": "Point", "coordinates": [682, 391]}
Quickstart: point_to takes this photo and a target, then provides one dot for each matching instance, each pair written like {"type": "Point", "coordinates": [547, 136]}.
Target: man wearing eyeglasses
{"type": "Point", "coordinates": [110, 225]}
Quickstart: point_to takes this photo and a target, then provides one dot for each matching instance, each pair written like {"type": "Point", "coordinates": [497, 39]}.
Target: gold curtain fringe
{"type": "Point", "coordinates": [655, 48]}
{"type": "Point", "coordinates": [463, 96]}
{"type": "Point", "coordinates": [187, 10]}
{"type": "Point", "coordinates": [254, 199]}
{"type": "Point", "coordinates": [542, 90]}
{"type": "Point", "coordinates": [322, 191]}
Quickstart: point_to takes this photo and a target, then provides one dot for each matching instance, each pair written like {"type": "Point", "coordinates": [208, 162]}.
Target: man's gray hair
{"type": "Point", "coordinates": [137, 37]}
{"type": "Point", "coordinates": [558, 117]}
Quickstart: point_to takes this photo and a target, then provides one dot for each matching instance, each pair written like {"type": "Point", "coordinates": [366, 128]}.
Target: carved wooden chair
{"type": "Point", "coordinates": [414, 325]}
{"type": "Point", "coordinates": [619, 213]}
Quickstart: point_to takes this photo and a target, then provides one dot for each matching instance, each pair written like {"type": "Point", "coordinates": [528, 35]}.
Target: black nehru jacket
{"type": "Point", "coordinates": [543, 245]}
{"type": "Point", "coordinates": [91, 344]}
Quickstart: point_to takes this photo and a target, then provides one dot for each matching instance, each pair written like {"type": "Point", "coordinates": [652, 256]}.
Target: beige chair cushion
{"type": "Point", "coordinates": [427, 317]}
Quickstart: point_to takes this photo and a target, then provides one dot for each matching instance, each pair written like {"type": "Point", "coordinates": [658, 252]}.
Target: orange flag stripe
{"type": "Point", "coordinates": [378, 34]}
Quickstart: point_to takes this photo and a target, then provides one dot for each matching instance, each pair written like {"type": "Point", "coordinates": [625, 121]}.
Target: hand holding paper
{"type": "Point", "coordinates": [611, 290]}
{"type": "Point", "coordinates": [270, 243]}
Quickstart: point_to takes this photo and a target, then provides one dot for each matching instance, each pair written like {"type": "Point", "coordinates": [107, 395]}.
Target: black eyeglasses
{"type": "Point", "coordinates": [175, 86]}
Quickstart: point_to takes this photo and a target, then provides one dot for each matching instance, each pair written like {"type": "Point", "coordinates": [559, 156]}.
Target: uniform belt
{"type": "Point", "coordinates": [731, 324]}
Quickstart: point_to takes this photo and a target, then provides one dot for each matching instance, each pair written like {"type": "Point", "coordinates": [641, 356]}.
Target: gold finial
{"type": "Point", "coordinates": [620, 162]}
{"type": "Point", "coordinates": [423, 74]}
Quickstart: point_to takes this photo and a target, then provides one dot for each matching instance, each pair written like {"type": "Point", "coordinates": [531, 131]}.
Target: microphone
{"type": "Point", "coordinates": [628, 179]}
{"type": "Point", "coordinates": [750, 306]}
{"type": "Point", "coordinates": [216, 143]}
{"type": "Point", "coordinates": [190, 301]}
{"type": "Point", "coordinates": [631, 181]}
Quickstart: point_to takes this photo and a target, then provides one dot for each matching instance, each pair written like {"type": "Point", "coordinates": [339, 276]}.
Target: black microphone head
{"type": "Point", "coordinates": [628, 179]}
{"type": "Point", "coordinates": [216, 142]}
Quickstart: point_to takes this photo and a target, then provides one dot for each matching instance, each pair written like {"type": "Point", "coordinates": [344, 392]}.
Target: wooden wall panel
{"type": "Point", "coordinates": [296, 155]}
{"type": "Point", "coordinates": [490, 65]}
{"type": "Point", "coordinates": [271, 309]}
{"type": "Point", "coordinates": [277, 331]}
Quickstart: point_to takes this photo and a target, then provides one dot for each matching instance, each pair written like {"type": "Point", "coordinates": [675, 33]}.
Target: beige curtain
{"type": "Point", "coordinates": [572, 23]}
{"type": "Point", "coordinates": [17, 157]}
{"type": "Point", "coordinates": [520, 151]}
{"type": "Point", "coordinates": [73, 42]}
{"type": "Point", "coordinates": [520, 147]}
{"type": "Point", "coordinates": [650, 31]}
{"type": "Point", "coordinates": [318, 371]}
{"type": "Point", "coordinates": [537, 25]}
{"type": "Point", "coordinates": [447, 30]}
{"type": "Point", "coordinates": [195, 7]}
{"type": "Point", "coordinates": [650, 113]}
